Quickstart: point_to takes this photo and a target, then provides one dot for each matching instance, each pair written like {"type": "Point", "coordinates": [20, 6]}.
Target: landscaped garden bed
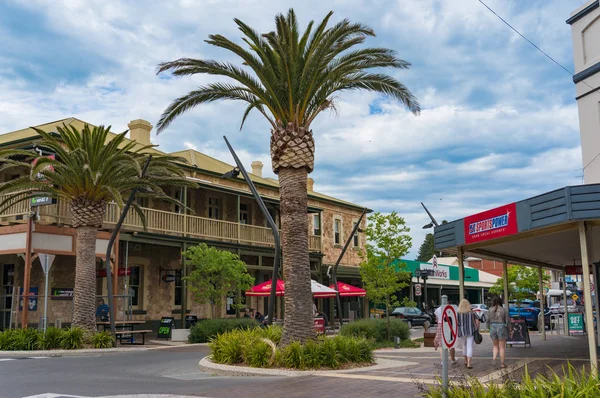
{"type": "Point", "coordinates": [66, 339]}
{"type": "Point", "coordinates": [570, 383]}
{"type": "Point", "coordinates": [375, 330]}
{"type": "Point", "coordinates": [259, 348]}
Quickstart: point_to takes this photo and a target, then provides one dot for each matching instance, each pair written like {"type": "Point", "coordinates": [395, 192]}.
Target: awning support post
{"type": "Point", "coordinates": [541, 290]}
{"type": "Point", "coordinates": [587, 294]}
{"type": "Point", "coordinates": [461, 275]}
{"type": "Point", "coordinates": [566, 313]}
{"type": "Point", "coordinates": [597, 296]}
{"type": "Point", "coordinates": [505, 279]}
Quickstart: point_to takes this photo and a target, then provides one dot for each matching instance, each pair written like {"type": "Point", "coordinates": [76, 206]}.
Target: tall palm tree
{"type": "Point", "coordinates": [290, 78]}
{"type": "Point", "coordinates": [90, 169]}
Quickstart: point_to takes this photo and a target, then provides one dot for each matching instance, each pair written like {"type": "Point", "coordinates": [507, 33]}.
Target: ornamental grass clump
{"type": "Point", "coordinates": [258, 348]}
{"type": "Point", "coordinates": [570, 383]}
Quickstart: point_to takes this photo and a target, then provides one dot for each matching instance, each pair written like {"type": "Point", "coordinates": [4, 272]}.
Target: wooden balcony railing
{"type": "Point", "coordinates": [161, 222]}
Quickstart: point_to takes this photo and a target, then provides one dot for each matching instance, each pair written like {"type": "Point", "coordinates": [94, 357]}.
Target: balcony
{"type": "Point", "coordinates": [161, 222]}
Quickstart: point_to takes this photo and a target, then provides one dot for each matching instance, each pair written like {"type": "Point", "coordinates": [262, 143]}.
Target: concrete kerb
{"type": "Point", "coordinates": [65, 353]}
{"type": "Point", "coordinates": [208, 366]}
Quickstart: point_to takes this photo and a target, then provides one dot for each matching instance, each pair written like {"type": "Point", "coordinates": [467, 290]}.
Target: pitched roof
{"type": "Point", "coordinates": [196, 159]}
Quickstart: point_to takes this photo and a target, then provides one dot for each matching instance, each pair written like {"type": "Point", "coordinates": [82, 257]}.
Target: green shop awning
{"type": "Point", "coordinates": [441, 272]}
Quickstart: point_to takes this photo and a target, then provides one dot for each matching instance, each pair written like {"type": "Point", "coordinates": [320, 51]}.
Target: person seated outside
{"type": "Point", "coordinates": [259, 317]}
{"type": "Point", "coordinates": [102, 311]}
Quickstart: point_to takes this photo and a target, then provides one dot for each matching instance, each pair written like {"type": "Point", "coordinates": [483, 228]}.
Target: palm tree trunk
{"type": "Point", "coordinates": [84, 293]}
{"type": "Point", "coordinates": [298, 325]}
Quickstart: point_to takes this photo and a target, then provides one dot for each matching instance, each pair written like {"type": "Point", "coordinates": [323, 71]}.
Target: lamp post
{"type": "Point", "coordinates": [233, 174]}
{"type": "Point", "coordinates": [355, 230]}
{"type": "Point", "coordinates": [111, 241]}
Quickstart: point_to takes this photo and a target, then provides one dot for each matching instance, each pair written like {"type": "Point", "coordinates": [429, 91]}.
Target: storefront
{"type": "Point", "coordinates": [445, 281]}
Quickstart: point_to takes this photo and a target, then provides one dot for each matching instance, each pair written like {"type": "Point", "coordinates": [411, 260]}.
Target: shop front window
{"type": "Point", "coordinates": [135, 286]}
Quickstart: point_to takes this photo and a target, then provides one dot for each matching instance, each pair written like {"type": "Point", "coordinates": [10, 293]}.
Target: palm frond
{"type": "Point", "coordinates": [90, 166]}
{"type": "Point", "coordinates": [289, 75]}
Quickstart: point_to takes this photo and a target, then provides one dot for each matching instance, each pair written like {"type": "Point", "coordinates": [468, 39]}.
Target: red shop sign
{"type": "Point", "coordinates": [491, 224]}
{"type": "Point", "coordinates": [101, 273]}
{"type": "Point", "coordinates": [575, 270]}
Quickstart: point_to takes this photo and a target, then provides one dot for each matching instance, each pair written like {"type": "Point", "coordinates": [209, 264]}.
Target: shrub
{"type": "Point", "coordinates": [72, 338]}
{"type": "Point", "coordinates": [292, 356]}
{"type": "Point", "coordinates": [258, 354]}
{"type": "Point", "coordinates": [204, 331]}
{"type": "Point", "coordinates": [253, 348]}
{"type": "Point", "coordinates": [52, 339]}
{"type": "Point", "coordinates": [571, 383]}
{"type": "Point", "coordinates": [20, 340]}
{"type": "Point", "coordinates": [376, 329]}
{"type": "Point", "coordinates": [103, 340]}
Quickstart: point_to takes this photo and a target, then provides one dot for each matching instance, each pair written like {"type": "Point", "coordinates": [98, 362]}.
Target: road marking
{"type": "Point", "coordinates": [374, 378]}
{"type": "Point", "coordinates": [21, 358]}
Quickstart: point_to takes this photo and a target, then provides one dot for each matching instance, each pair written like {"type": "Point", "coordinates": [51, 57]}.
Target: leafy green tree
{"type": "Point", "coordinates": [91, 168]}
{"type": "Point", "coordinates": [523, 282]}
{"type": "Point", "coordinates": [380, 271]}
{"type": "Point", "coordinates": [290, 77]}
{"type": "Point", "coordinates": [426, 251]}
{"type": "Point", "coordinates": [215, 273]}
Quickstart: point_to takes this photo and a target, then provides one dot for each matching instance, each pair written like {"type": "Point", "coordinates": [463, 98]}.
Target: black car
{"type": "Point", "coordinates": [413, 316]}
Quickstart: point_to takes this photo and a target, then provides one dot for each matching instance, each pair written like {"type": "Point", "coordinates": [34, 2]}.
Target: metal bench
{"type": "Point", "coordinates": [120, 335]}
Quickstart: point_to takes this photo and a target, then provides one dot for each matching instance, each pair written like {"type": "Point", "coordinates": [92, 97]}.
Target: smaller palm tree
{"type": "Point", "coordinates": [89, 170]}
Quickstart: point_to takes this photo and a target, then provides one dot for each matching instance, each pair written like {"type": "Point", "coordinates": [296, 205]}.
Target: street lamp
{"type": "Point", "coordinates": [234, 174]}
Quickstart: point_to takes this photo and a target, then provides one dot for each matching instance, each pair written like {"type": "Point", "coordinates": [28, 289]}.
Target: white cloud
{"type": "Point", "coordinates": [499, 121]}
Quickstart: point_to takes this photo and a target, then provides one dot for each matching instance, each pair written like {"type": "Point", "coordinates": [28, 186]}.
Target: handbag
{"type": "Point", "coordinates": [477, 337]}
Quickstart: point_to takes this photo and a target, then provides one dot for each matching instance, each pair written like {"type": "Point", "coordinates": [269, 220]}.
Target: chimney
{"type": "Point", "coordinates": [139, 130]}
{"type": "Point", "coordinates": [257, 168]}
{"type": "Point", "coordinates": [310, 184]}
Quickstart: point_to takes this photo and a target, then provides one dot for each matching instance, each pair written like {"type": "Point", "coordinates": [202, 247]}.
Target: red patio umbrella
{"type": "Point", "coordinates": [347, 290]}
{"type": "Point", "coordinates": [264, 289]}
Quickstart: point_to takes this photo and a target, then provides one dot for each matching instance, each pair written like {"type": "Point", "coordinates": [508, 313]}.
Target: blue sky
{"type": "Point", "coordinates": [499, 120]}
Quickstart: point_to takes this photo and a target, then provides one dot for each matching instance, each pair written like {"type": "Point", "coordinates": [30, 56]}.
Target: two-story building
{"type": "Point", "coordinates": [224, 214]}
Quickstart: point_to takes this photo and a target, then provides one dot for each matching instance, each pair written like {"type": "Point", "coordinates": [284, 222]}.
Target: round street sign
{"type": "Point", "coordinates": [449, 326]}
{"type": "Point", "coordinates": [417, 289]}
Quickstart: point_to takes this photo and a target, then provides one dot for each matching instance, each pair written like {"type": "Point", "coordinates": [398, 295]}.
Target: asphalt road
{"type": "Point", "coordinates": [171, 370]}
{"type": "Point", "coordinates": [162, 371]}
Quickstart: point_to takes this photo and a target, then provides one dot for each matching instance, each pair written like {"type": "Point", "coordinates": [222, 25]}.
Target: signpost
{"type": "Point", "coordinates": [418, 289]}
{"type": "Point", "coordinates": [46, 260]}
{"type": "Point", "coordinates": [449, 337]}
{"type": "Point", "coordinates": [576, 323]}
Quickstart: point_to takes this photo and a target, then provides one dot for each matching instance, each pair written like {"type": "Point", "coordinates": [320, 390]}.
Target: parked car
{"type": "Point", "coordinates": [527, 310]}
{"type": "Point", "coordinates": [572, 306]}
{"type": "Point", "coordinates": [481, 310]}
{"type": "Point", "coordinates": [412, 316]}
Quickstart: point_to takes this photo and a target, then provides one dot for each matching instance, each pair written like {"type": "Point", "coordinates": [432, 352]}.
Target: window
{"type": "Point", "coordinates": [244, 214]}
{"type": "Point", "coordinates": [8, 281]}
{"type": "Point", "coordinates": [355, 240]}
{"type": "Point", "coordinates": [214, 209]}
{"type": "Point", "coordinates": [135, 286]}
{"type": "Point", "coordinates": [178, 295]}
{"type": "Point", "coordinates": [337, 231]}
{"type": "Point", "coordinates": [142, 202]}
{"type": "Point", "coordinates": [230, 308]}
{"type": "Point", "coordinates": [273, 213]}
{"type": "Point", "coordinates": [316, 224]}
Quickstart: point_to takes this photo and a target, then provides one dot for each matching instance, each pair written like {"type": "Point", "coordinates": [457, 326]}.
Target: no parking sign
{"type": "Point", "coordinates": [449, 326]}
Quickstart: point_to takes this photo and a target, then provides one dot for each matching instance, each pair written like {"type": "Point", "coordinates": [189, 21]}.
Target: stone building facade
{"type": "Point", "coordinates": [223, 214]}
